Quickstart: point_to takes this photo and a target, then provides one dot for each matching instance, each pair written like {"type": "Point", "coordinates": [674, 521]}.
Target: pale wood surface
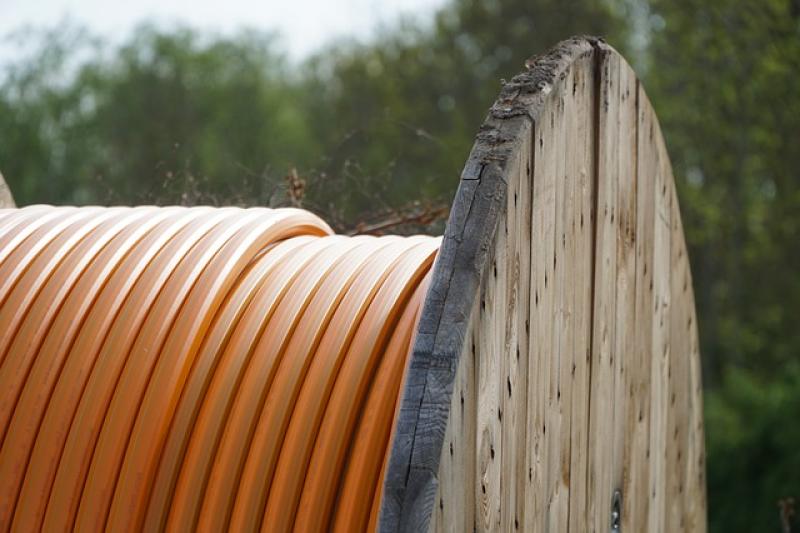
{"type": "Point", "coordinates": [557, 358]}
{"type": "Point", "coordinates": [6, 199]}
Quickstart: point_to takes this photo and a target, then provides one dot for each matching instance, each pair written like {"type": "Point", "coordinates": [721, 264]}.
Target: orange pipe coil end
{"type": "Point", "coordinates": [199, 368]}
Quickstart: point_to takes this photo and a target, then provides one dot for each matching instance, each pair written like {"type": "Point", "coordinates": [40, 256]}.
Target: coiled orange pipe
{"type": "Point", "coordinates": [199, 368]}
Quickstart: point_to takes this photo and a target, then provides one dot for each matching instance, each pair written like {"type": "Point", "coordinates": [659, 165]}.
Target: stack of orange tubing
{"type": "Point", "coordinates": [199, 368]}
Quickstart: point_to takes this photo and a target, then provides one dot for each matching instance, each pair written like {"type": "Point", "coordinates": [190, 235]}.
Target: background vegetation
{"type": "Point", "coordinates": [365, 133]}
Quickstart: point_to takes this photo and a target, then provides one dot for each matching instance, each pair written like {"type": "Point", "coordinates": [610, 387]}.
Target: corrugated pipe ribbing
{"type": "Point", "coordinates": [199, 368]}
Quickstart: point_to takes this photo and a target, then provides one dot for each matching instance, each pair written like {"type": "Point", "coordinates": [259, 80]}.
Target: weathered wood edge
{"type": "Point", "coordinates": [411, 480]}
{"type": "Point", "coordinates": [6, 198]}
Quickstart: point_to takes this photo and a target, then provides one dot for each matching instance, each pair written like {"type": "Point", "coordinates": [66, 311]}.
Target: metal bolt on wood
{"type": "Point", "coordinates": [616, 512]}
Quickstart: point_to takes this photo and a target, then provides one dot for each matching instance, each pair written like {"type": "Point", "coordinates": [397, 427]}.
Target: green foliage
{"type": "Point", "coordinates": [725, 81]}
{"type": "Point", "coordinates": [406, 107]}
{"type": "Point", "coordinates": [752, 446]}
{"type": "Point", "coordinates": [180, 117]}
{"type": "Point", "coordinates": [152, 120]}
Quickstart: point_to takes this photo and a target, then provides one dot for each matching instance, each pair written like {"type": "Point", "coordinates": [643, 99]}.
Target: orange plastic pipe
{"type": "Point", "coordinates": [30, 362]}
{"type": "Point", "coordinates": [238, 368]}
{"type": "Point", "coordinates": [332, 436]}
{"type": "Point", "coordinates": [198, 368]}
{"type": "Point", "coordinates": [273, 349]}
{"type": "Point", "coordinates": [177, 356]}
{"type": "Point", "coordinates": [17, 225]}
{"type": "Point", "coordinates": [36, 298]}
{"type": "Point", "coordinates": [361, 481]}
{"type": "Point", "coordinates": [66, 493]}
{"type": "Point", "coordinates": [78, 352]}
{"type": "Point", "coordinates": [320, 312]}
{"type": "Point", "coordinates": [208, 361]}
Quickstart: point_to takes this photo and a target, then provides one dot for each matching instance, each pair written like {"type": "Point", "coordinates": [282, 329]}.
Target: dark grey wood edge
{"type": "Point", "coordinates": [411, 481]}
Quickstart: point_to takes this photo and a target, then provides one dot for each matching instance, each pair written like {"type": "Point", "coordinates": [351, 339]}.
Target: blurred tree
{"type": "Point", "coordinates": [401, 112]}
{"type": "Point", "coordinates": [39, 126]}
{"type": "Point", "coordinates": [725, 83]}
{"type": "Point", "coordinates": [173, 116]}
{"type": "Point", "coordinates": [377, 133]}
{"type": "Point", "coordinates": [752, 440]}
{"type": "Point", "coordinates": [169, 117]}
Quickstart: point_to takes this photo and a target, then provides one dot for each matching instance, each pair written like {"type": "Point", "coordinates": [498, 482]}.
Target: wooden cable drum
{"type": "Point", "coordinates": [170, 368]}
{"type": "Point", "coordinates": [555, 380]}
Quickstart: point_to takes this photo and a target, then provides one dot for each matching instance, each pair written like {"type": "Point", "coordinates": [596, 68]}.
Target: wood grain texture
{"type": "Point", "coordinates": [6, 199]}
{"type": "Point", "coordinates": [556, 360]}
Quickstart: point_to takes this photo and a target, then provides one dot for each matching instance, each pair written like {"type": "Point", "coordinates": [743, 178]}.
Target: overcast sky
{"type": "Point", "coordinates": [304, 25]}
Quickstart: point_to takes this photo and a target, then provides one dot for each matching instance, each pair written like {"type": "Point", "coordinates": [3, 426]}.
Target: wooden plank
{"type": "Point", "coordinates": [514, 404]}
{"type": "Point", "coordinates": [686, 471]}
{"type": "Point", "coordinates": [583, 166]}
{"type": "Point", "coordinates": [549, 323]}
{"type": "Point", "coordinates": [491, 358]}
{"type": "Point", "coordinates": [455, 511]}
{"type": "Point", "coordinates": [543, 232]}
{"type": "Point", "coordinates": [659, 380]}
{"type": "Point", "coordinates": [626, 281]}
{"type": "Point", "coordinates": [636, 497]}
{"type": "Point", "coordinates": [695, 493]}
{"type": "Point", "coordinates": [601, 422]}
{"type": "Point", "coordinates": [559, 390]}
{"type": "Point", "coordinates": [678, 378]}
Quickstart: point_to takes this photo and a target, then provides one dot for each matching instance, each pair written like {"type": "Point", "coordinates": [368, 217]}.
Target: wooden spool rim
{"type": "Point", "coordinates": [411, 482]}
